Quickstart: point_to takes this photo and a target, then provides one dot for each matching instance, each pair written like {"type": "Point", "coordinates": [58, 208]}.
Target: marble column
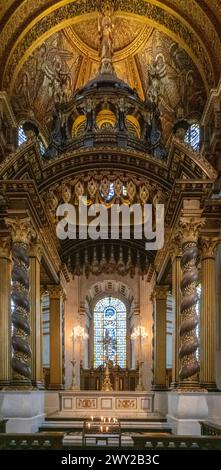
{"type": "Point", "coordinates": [208, 314]}
{"type": "Point", "coordinates": [36, 316]}
{"type": "Point", "coordinates": [21, 233]}
{"type": "Point", "coordinates": [5, 309]}
{"type": "Point", "coordinates": [56, 360]}
{"type": "Point", "coordinates": [176, 296]}
{"type": "Point", "coordinates": [189, 371]}
{"type": "Point", "coordinates": [159, 369]}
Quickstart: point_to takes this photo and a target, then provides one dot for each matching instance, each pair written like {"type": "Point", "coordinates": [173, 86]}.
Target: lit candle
{"type": "Point", "coordinates": [92, 418]}
{"type": "Point", "coordinates": [101, 428]}
{"type": "Point", "coordinates": [114, 420]}
{"type": "Point", "coordinates": [88, 425]}
{"type": "Point", "coordinates": [107, 428]}
{"type": "Point", "coordinates": [109, 419]}
{"type": "Point", "coordinates": [104, 420]}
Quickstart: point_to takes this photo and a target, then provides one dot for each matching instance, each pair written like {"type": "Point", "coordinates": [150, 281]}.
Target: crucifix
{"type": "Point", "coordinates": [106, 386]}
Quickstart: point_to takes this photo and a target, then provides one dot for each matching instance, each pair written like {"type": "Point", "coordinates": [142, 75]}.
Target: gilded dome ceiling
{"type": "Point", "coordinates": [144, 57]}
{"type": "Point", "coordinates": [50, 49]}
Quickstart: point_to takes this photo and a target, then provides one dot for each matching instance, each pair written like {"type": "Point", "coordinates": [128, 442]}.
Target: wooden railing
{"type": "Point", "coordinates": [39, 441]}
{"type": "Point", "coordinates": [210, 429]}
{"type": "Point", "coordinates": [3, 425]}
{"type": "Point", "coordinates": [176, 442]}
{"type": "Point", "coordinates": [54, 441]}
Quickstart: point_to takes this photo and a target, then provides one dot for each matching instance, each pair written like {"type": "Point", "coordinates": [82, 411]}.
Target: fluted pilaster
{"type": "Point", "coordinates": [189, 231]}
{"type": "Point", "coordinates": [36, 315]}
{"type": "Point", "coordinates": [56, 364]}
{"type": "Point", "coordinates": [159, 369]}
{"type": "Point", "coordinates": [176, 254]}
{"type": "Point", "coordinates": [5, 320]}
{"type": "Point", "coordinates": [208, 313]}
{"type": "Point", "coordinates": [21, 232]}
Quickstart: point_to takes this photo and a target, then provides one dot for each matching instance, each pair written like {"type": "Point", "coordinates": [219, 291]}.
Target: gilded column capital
{"type": "Point", "coordinates": [161, 292]}
{"type": "Point", "coordinates": [5, 247]}
{"type": "Point", "coordinates": [189, 228]}
{"type": "Point", "coordinates": [209, 246]}
{"type": "Point", "coordinates": [21, 229]}
{"type": "Point", "coordinates": [36, 251]}
{"type": "Point", "coordinates": [56, 292]}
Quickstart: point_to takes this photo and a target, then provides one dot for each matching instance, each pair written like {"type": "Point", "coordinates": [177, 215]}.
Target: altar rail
{"type": "Point", "coordinates": [38, 441]}
{"type": "Point", "coordinates": [54, 441]}
{"type": "Point", "coordinates": [152, 442]}
{"type": "Point", "coordinates": [210, 429]}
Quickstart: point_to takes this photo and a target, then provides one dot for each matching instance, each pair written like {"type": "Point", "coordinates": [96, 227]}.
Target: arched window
{"type": "Point", "coordinates": [193, 136]}
{"type": "Point", "coordinates": [22, 136]}
{"type": "Point", "coordinates": [111, 193]}
{"type": "Point", "coordinates": [110, 331]}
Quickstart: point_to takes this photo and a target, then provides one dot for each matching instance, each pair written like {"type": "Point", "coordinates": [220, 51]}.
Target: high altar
{"type": "Point", "coordinates": [119, 404]}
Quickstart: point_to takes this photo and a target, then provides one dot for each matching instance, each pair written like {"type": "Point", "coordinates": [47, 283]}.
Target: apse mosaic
{"type": "Point", "coordinates": [110, 332]}
{"type": "Point", "coordinates": [159, 69]}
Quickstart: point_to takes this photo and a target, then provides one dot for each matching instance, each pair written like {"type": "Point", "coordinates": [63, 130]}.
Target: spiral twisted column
{"type": "Point", "coordinates": [21, 232]}
{"type": "Point", "coordinates": [188, 375]}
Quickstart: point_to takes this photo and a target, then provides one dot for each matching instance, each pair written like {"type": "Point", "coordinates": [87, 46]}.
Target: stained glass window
{"type": "Point", "coordinates": [110, 331]}
{"type": "Point", "coordinates": [193, 136]}
{"type": "Point", "coordinates": [22, 137]}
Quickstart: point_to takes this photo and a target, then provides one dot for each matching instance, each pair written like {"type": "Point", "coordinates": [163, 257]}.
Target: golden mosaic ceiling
{"type": "Point", "coordinates": [157, 44]}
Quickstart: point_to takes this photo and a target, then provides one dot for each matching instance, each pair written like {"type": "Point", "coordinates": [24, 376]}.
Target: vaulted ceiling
{"type": "Point", "coordinates": [172, 45]}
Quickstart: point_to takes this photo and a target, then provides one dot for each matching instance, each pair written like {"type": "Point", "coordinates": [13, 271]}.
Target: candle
{"type": "Point", "coordinates": [104, 420]}
{"type": "Point", "coordinates": [92, 418]}
{"type": "Point", "coordinates": [107, 428]}
{"type": "Point", "coordinates": [101, 428]}
{"type": "Point", "coordinates": [88, 425]}
{"type": "Point", "coordinates": [109, 419]}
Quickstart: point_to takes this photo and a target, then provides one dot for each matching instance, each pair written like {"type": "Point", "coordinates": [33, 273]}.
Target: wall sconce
{"type": "Point", "coordinates": [79, 333]}
{"type": "Point", "coordinates": [139, 332]}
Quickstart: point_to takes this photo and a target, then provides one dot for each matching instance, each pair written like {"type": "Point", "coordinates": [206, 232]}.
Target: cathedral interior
{"type": "Point", "coordinates": [110, 105]}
